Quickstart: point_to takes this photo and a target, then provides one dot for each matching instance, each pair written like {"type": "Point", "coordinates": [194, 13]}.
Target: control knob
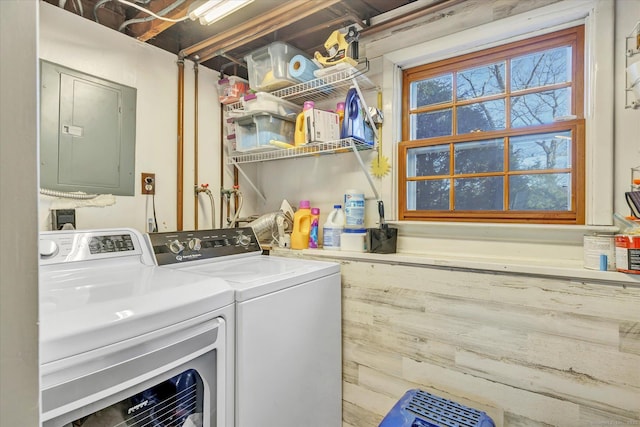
{"type": "Point", "coordinates": [176, 247]}
{"type": "Point", "coordinates": [48, 248]}
{"type": "Point", "coordinates": [195, 244]}
{"type": "Point", "coordinates": [243, 239]}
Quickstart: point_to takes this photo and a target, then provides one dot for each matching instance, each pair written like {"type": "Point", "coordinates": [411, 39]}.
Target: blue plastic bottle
{"type": "Point", "coordinates": [354, 124]}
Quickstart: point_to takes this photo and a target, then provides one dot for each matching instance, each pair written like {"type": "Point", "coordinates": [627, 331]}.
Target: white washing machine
{"type": "Point", "coordinates": [126, 343]}
{"type": "Point", "coordinates": [288, 325]}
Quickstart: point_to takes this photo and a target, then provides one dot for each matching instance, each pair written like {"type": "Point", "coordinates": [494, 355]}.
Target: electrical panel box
{"type": "Point", "coordinates": [87, 138]}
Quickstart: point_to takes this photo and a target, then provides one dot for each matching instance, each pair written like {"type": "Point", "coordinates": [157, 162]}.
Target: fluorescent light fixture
{"type": "Point", "coordinates": [210, 11]}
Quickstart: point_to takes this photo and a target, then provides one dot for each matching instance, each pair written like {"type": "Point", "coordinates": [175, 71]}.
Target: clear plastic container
{"type": "Point", "coordinates": [231, 89]}
{"type": "Point", "coordinates": [231, 143]}
{"type": "Point", "coordinates": [254, 132]}
{"type": "Point", "coordinates": [354, 240]}
{"type": "Point", "coordinates": [269, 66]}
{"type": "Point", "coordinates": [265, 102]}
{"type": "Point", "coordinates": [230, 126]}
{"type": "Point", "coordinates": [354, 208]}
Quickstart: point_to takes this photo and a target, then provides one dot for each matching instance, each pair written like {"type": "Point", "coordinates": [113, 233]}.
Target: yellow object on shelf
{"type": "Point", "coordinates": [299, 135]}
{"type": "Point", "coordinates": [380, 166]}
{"type": "Point", "coordinates": [267, 79]}
{"type": "Point", "coordinates": [281, 144]}
{"type": "Point", "coordinates": [337, 47]}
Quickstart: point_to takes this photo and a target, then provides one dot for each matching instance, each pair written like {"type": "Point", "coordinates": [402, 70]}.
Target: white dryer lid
{"type": "Point", "coordinates": [255, 276]}
{"type": "Point", "coordinates": [86, 307]}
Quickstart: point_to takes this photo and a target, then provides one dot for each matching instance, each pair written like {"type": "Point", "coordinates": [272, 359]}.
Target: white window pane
{"type": "Point", "coordinates": [479, 194]}
{"type": "Point", "coordinates": [431, 91]}
{"type": "Point", "coordinates": [428, 161]}
{"type": "Point", "coordinates": [540, 151]}
{"type": "Point", "coordinates": [540, 107]}
{"type": "Point", "coordinates": [540, 192]}
{"type": "Point", "coordinates": [429, 125]}
{"type": "Point", "coordinates": [479, 156]}
{"type": "Point", "coordinates": [483, 116]}
{"type": "Point", "coordinates": [481, 81]}
{"type": "Point", "coordinates": [541, 69]}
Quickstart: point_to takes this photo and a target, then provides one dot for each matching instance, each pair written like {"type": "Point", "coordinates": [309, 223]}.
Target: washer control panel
{"type": "Point", "coordinates": [185, 246]}
{"type": "Point", "coordinates": [85, 245]}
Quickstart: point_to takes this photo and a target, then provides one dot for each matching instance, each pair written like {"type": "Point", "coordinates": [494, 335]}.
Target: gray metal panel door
{"type": "Point", "coordinates": [87, 133]}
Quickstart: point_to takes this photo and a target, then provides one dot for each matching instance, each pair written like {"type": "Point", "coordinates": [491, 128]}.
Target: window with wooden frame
{"type": "Point", "coordinates": [496, 135]}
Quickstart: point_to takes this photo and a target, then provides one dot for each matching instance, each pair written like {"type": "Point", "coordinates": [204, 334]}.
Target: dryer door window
{"type": "Point", "coordinates": [178, 401]}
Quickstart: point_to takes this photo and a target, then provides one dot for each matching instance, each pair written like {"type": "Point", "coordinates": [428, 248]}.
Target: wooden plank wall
{"type": "Point", "coordinates": [530, 351]}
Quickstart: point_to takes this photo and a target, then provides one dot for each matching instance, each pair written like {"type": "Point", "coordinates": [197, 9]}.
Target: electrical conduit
{"type": "Point", "coordinates": [180, 156]}
{"type": "Point", "coordinates": [195, 149]}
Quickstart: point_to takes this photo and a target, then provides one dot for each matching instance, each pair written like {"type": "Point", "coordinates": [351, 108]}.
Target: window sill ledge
{"type": "Point", "coordinates": [571, 270]}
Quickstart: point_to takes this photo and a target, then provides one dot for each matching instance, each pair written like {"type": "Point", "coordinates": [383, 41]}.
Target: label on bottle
{"type": "Point", "coordinates": [313, 234]}
{"type": "Point", "coordinates": [331, 237]}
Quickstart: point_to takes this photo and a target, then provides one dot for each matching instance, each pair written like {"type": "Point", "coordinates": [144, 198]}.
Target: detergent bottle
{"type": "Point", "coordinates": [300, 133]}
{"type": "Point", "coordinates": [354, 124]}
{"type": "Point", "coordinates": [314, 239]}
{"type": "Point", "coordinates": [301, 226]}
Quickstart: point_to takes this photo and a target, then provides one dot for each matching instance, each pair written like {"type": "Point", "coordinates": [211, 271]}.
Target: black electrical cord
{"type": "Point", "coordinates": [155, 220]}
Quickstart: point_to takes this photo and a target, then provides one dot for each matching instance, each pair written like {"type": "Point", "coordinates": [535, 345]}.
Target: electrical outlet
{"type": "Point", "coordinates": [148, 183]}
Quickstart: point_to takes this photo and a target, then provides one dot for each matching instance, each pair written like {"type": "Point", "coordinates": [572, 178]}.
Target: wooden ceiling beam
{"type": "Point", "coordinates": [435, 6]}
{"type": "Point", "coordinates": [144, 31]}
{"type": "Point", "coordinates": [246, 27]}
{"type": "Point", "coordinates": [279, 20]}
{"type": "Point", "coordinates": [327, 26]}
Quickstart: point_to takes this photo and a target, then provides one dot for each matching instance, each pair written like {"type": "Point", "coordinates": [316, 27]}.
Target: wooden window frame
{"type": "Point", "coordinates": [573, 37]}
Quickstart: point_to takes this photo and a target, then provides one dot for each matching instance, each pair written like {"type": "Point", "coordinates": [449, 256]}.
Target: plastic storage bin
{"type": "Point", "coordinates": [254, 132]}
{"type": "Point", "coordinates": [231, 89]}
{"type": "Point", "coordinates": [418, 408]}
{"type": "Point", "coordinates": [269, 66]}
{"type": "Point", "coordinates": [231, 143]}
{"type": "Point", "coordinates": [265, 102]}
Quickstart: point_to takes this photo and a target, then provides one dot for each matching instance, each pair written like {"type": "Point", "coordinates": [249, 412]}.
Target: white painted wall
{"type": "Point", "coordinates": [19, 391]}
{"type": "Point", "coordinates": [83, 45]}
{"type": "Point", "coordinates": [627, 121]}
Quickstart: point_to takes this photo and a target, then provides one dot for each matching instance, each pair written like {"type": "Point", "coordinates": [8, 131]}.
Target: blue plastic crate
{"type": "Point", "coordinates": [418, 408]}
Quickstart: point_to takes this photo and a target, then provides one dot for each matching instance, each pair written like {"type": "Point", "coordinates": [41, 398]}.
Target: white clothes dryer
{"type": "Point", "coordinates": [124, 342]}
{"type": "Point", "coordinates": [288, 325]}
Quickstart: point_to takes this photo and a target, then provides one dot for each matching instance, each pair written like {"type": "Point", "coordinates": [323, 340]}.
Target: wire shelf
{"type": "Point", "coordinates": [333, 85]}
{"type": "Point", "coordinates": [327, 87]}
{"type": "Point", "coordinates": [313, 149]}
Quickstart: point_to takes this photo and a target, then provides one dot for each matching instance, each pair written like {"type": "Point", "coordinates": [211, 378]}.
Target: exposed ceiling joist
{"type": "Point", "coordinates": [144, 31]}
{"type": "Point", "coordinates": [253, 31]}
{"type": "Point", "coordinates": [244, 28]}
{"type": "Point", "coordinates": [305, 24]}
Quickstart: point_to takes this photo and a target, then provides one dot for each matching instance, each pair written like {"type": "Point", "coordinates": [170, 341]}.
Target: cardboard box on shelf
{"type": "Point", "coordinates": [321, 125]}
